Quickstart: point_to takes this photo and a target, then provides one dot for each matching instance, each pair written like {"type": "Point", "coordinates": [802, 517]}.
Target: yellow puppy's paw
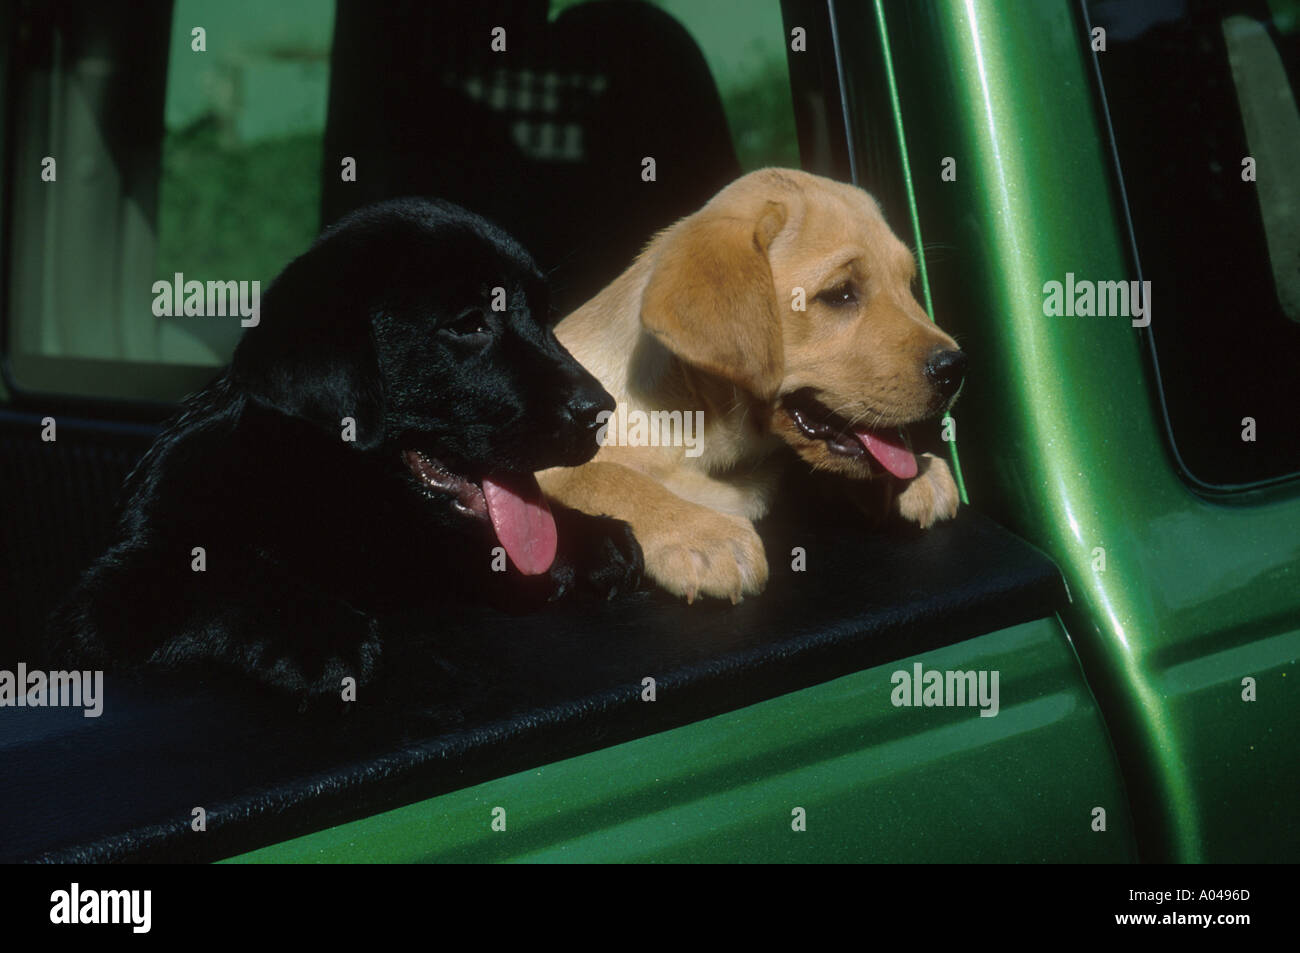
{"type": "Point", "coordinates": [719, 556]}
{"type": "Point", "coordinates": [931, 495]}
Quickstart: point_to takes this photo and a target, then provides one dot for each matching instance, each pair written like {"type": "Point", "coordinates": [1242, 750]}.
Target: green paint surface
{"type": "Point", "coordinates": [876, 782]}
{"type": "Point", "coordinates": [1063, 442]}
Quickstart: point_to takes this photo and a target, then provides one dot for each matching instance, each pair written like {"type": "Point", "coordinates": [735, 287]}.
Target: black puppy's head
{"type": "Point", "coordinates": [426, 325]}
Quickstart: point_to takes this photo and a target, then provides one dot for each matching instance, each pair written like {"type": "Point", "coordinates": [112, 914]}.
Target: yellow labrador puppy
{"type": "Point", "coordinates": [780, 314]}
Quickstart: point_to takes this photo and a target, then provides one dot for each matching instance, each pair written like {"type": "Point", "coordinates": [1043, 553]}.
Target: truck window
{"type": "Point", "coordinates": [1202, 100]}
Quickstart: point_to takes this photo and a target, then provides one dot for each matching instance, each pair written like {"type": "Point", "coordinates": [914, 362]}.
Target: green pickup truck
{"type": "Point", "coordinates": [1104, 202]}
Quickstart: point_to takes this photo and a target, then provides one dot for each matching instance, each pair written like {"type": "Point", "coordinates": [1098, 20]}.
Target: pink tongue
{"type": "Point", "coordinates": [890, 451]}
{"type": "Point", "coordinates": [522, 520]}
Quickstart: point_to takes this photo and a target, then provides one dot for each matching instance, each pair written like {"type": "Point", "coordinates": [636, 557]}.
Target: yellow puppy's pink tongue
{"type": "Point", "coordinates": [890, 451]}
{"type": "Point", "coordinates": [522, 520]}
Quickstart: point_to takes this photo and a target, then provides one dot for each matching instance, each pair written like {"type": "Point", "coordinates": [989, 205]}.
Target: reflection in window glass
{"type": "Point", "coordinates": [744, 44]}
{"type": "Point", "coordinates": [166, 159]}
{"type": "Point", "coordinates": [241, 157]}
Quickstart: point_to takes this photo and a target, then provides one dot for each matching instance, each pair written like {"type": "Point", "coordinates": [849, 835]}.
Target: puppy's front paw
{"type": "Point", "coordinates": [596, 553]}
{"type": "Point", "coordinates": [931, 495]}
{"type": "Point", "coordinates": [711, 554]}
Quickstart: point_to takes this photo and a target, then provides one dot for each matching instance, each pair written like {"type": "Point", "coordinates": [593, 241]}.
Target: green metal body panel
{"type": "Point", "coordinates": [1063, 441]}
{"type": "Point", "coordinates": [878, 782]}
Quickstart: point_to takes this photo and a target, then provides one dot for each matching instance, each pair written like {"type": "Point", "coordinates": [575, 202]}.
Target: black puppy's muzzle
{"type": "Point", "coordinates": [582, 415]}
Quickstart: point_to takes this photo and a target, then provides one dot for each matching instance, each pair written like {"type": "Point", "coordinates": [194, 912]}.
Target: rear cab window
{"type": "Point", "coordinates": [1202, 101]}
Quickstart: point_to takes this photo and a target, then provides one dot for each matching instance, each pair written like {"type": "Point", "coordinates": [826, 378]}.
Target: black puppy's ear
{"type": "Point", "coordinates": [312, 354]}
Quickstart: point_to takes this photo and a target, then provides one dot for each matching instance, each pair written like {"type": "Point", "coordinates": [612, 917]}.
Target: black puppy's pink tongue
{"type": "Point", "coordinates": [891, 451]}
{"type": "Point", "coordinates": [522, 520]}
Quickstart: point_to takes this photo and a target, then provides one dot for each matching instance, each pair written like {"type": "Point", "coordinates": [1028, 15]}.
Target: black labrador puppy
{"type": "Point", "coordinates": [367, 455]}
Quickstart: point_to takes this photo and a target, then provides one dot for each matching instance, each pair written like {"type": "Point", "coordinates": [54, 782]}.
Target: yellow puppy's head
{"type": "Point", "coordinates": [792, 288]}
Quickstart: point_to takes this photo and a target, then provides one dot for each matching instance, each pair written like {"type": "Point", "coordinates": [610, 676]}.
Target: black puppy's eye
{"type": "Point", "coordinates": [840, 296]}
{"type": "Point", "coordinates": [469, 322]}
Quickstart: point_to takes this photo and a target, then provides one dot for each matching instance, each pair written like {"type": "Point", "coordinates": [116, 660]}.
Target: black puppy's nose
{"type": "Point", "coordinates": [946, 370]}
{"type": "Point", "coordinates": [586, 405]}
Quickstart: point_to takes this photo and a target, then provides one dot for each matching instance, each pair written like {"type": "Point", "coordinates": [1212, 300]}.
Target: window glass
{"type": "Point", "coordinates": [241, 156]}
{"type": "Point", "coordinates": [744, 43]}
{"type": "Point", "coordinates": [173, 152]}
{"type": "Point", "coordinates": [221, 164]}
{"type": "Point", "coordinates": [1202, 99]}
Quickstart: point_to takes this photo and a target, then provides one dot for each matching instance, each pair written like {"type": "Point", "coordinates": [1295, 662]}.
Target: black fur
{"type": "Point", "coordinates": [315, 546]}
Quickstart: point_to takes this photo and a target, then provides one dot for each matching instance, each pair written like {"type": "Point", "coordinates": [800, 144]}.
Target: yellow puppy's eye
{"type": "Point", "coordinates": [840, 296]}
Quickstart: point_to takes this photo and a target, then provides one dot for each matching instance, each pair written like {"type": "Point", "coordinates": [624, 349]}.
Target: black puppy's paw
{"type": "Point", "coordinates": [335, 651]}
{"type": "Point", "coordinates": [597, 554]}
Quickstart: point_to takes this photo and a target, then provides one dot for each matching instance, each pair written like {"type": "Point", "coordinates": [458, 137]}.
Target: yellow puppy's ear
{"type": "Point", "coordinates": [710, 299]}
